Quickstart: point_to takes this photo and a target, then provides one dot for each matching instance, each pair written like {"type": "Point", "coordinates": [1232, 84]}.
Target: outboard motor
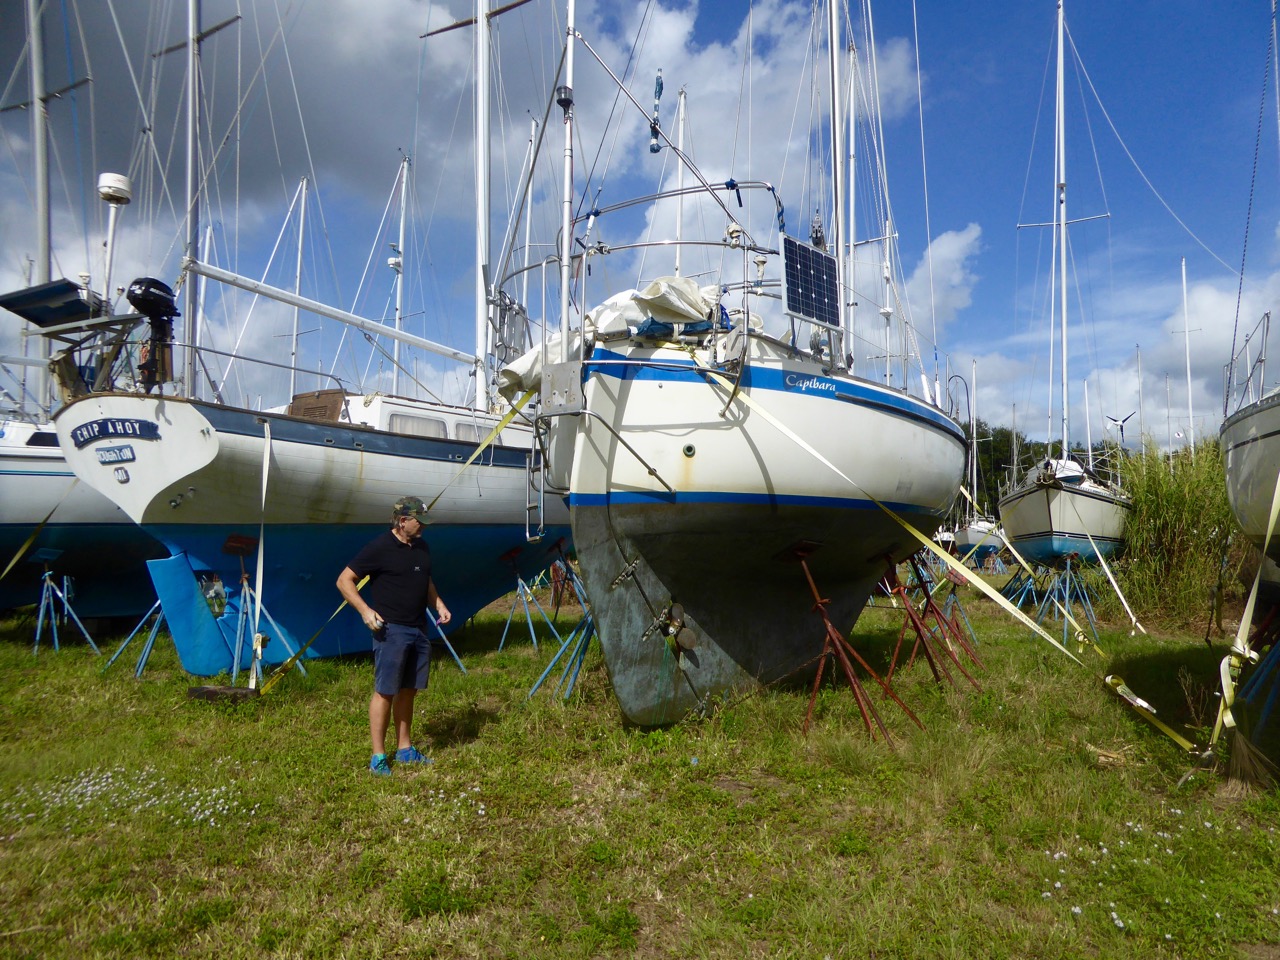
{"type": "Point", "coordinates": [155, 300]}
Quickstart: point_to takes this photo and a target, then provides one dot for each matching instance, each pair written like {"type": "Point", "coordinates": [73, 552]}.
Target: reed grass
{"type": "Point", "coordinates": [1180, 554]}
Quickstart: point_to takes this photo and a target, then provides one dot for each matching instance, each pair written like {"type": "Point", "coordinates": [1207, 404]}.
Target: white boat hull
{"type": "Point", "coordinates": [750, 495]}
{"type": "Point", "coordinates": [1049, 521]}
{"type": "Point", "coordinates": [192, 474]}
{"type": "Point", "coordinates": [78, 533]}
{"type": "Point", "coordinates": [979, 539]}
{"type": "Point", "coordinates": [1251, 448]}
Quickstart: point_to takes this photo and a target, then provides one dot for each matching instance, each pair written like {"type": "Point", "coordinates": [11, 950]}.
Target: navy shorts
{"type": "Point", "coordinates": [401, 659]}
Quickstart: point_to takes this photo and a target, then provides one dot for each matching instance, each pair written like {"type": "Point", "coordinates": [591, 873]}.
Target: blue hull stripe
{"type": "Point", "coordinates": [345, 436]}
{"type": "Point", "coordinates": [618, 366]}
{"type": "Point", "coordinates": [750, 499]}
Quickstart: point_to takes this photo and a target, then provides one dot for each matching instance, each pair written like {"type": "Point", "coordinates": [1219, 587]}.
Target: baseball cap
{"type": "Point", "coordinates": [411, 507]}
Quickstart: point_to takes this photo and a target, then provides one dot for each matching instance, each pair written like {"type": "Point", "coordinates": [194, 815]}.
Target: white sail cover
{"type": "Point", "coordinates": [671, 300]}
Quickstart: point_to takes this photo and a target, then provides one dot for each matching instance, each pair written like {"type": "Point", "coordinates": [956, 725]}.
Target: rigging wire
{"type": "Point", "coordinates": [1141, 173]}
{"type": "Point", "coordinates": [924, 176]}
{"type": "Point", "coordinates": [1253, 182]}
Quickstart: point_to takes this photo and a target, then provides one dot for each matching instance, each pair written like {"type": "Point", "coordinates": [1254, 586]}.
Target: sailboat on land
{"type": "Point", "coordinates": [261, 508]}
{"type": "Point", "coordinates": [50, 524]}
{"type": "Point", "coordinates": [1250, 438]}
{"type": "Point", "coordinates": [720, 477]}
{"type": "Point", "coordinates": [979, 536]}
{"type": "Point", "coordinates": [1061, 510]}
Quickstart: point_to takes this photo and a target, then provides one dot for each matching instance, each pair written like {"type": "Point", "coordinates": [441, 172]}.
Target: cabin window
{"type": "Point", "coordinates": [417, 426]}
{"type": "Point", "coordinates": [469, 432]}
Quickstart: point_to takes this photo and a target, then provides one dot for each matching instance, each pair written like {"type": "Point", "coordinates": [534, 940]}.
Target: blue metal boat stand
{"type": "Point", "coordinates": [526, 594]}
{"type": "Point", "coordinates": [431, 618]}
{"type": "Point", "coordinates": [258, 640]}
{"type": "Point", "coordinates": [1065, 588]}
{"type": "Point", "coordinates": [574, 646]}
{"type": "Point", "coordinates": [1263, 681]}
{"type": "Point", "coordinates": [50, 596]}
{"type": "Point", "coordinates": [1022, 587]}
{"type": "Point", "coordinates": [146, 647]}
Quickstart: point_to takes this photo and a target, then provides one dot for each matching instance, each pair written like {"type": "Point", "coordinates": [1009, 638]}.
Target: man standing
{"type": "Point", "coordinates": [398, 565]}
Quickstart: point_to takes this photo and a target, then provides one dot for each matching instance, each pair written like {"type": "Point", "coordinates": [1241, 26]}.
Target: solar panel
{"type": "Point", "coordinates": [811, 290]}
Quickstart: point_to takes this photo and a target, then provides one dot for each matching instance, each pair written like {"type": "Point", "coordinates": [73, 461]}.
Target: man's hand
{"type": "Point", "coordinates": [372, 620]}
{"type": "Point", "coordinates": [443, 615]}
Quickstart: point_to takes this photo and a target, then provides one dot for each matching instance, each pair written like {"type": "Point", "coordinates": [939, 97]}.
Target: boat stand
{"type": "Point", "coordinates": [1065, 588]}
{"type": "Point", "coordinates": [50, 595]}
{"type": "Point", "coordinates": [158, 613]}
{"type": "Point", "coordinates": [930, 625]}
{"type": "Point", "coordinates": [575, 645]}
{"type": "Point", "coordinates": [431, 619]}
{"type": "Point", "coordinates": [525, 593]}
{"type": "Point", "coordinates": [837, 648]}
{"type": "Point", "coordinates": [1022, 587]}
{"type": "Point", "coordinates": [259, 640]}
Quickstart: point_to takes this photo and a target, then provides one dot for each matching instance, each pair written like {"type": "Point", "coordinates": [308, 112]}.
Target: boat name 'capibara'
{"type": "Point", "coordinates": [810, 383]}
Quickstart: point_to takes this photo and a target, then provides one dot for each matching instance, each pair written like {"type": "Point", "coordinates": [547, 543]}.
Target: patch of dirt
{"type": "Point", "coordinates": [746, 792]}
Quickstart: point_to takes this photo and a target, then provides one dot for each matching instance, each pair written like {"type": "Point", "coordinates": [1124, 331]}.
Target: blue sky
{"type": "Point", "coordinates": [1181, 82]}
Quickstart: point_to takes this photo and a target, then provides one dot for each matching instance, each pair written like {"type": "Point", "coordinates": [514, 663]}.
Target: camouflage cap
{"type": "Point", "coordinates": [411, 507]}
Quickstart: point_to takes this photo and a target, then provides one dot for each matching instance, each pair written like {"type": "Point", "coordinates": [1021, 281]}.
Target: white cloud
{"type": "Point", "coordinates": [941, 285]}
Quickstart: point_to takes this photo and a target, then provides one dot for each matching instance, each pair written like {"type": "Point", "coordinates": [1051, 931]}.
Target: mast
{"type": "Point", "coordinates": [482, 204]}
{"type": "Point", "coordinates": [192, 288]}
{"type": "Point", "coordinates": [852, 227]}
{"type": "Point", "coordinates": [1186, 344]}
{"type": "Point", "coordinates": [40, 145]}
{"type": "Point", "coordinates": [398, 267]}
{"type": "Point", "coordinates": [564, 98]}
{"type": "Point", "coordinates": [973, 437]}
{"type": "Point", "coordinates": [1060, 181]}
{"type": "Point", "coordinates": [680, 108]}
{"type": "Point", "coordinates": [1142, 423]}
{"type": "Point", "coordinates": [1088, 434]}
{"type": "Point", "coordinates": [40, 154]}
{"type": "Point", "coordinates": [838, 168]}
{"type": "Point", "coordinates": [297, 288]}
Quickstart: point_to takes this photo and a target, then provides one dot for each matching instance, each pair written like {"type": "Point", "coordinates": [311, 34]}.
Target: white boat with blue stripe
{"type": "Point", "coordinates": [704, 469]}
{"type": "Point", "coordinates": [727, 446]}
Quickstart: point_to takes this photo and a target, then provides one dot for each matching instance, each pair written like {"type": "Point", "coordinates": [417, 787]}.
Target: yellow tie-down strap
{"type": "Point", "coordinates": [511, 414]}
{"type": "Point", "coordinates": [36, 532]}
{"type": "Point", "coordinates": [1146, 711]}
{"type": "Point", "coordinates": [279, 672]}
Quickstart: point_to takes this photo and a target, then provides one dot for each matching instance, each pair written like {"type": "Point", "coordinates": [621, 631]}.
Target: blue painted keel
{"type": "Point", "coordinates": [472, 567]}
{"type": "Point", "coordinates": [1052, 549]}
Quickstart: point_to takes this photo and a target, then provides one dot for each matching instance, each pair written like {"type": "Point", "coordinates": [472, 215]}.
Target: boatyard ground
{"type": "Point", "coordinates": [1036, 817]}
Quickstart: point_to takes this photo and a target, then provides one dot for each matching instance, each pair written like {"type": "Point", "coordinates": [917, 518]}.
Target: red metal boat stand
{"type": "Point", "coordinates": [841, 650]}
{"type": "Point", "coordinates": [951, 633]}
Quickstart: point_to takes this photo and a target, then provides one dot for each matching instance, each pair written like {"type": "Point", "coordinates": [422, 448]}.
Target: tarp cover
{"type": "Point", "coordinates": [668, 300]}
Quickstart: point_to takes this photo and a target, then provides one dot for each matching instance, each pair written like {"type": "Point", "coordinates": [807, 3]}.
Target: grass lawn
{"type": "Point", "coordinates": [1037, 816]}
